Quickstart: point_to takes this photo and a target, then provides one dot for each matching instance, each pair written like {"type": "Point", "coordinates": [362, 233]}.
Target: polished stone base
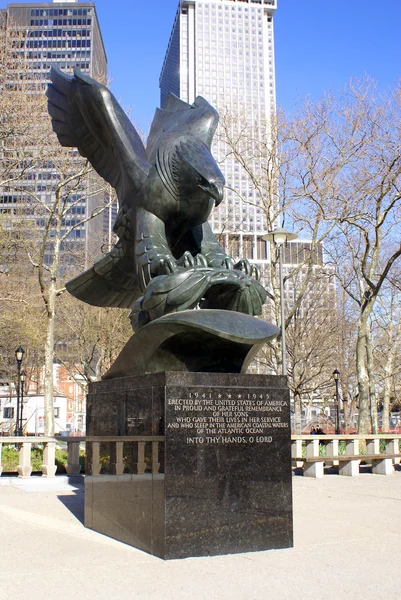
{"type": "Point", "coordinates": [190, 464]}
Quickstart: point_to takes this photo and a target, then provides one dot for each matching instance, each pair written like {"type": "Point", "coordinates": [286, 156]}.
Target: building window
{"type": "Point", "coordinates": [8, 412]}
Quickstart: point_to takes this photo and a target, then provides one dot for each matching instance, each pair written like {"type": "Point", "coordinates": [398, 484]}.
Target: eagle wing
{"type": "Point", "coordinates": [198, 120]}
{"type": "Point", "coordinates": [108, 283]}
{"type": "Point", "coordinates": [86, 115]}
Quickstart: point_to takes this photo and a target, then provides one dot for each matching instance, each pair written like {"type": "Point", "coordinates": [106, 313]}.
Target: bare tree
{"type": "Point", "coordinates": [312, 343]}
{"type": "Point", "coordinates": [347, 319]}
{"type": "Point", "coordinates": [19, 110]}
{"type": "Point", "coordinates": [60, 220]}
{"type": "Point", "coordinates": [90, 338]}
{"type": "Point", "coordinates": [49, 192]}
{"type": "Point", "coordinates": [311, 340]}
{"type": "Point", "coordinates": [368, 215]}
{"type": "Point", "coordinates": [332, 169]}
{"type": "Point", "coordinates": [386, 330]}
{"type": "Point", "coordinates": [274, 156]}
{"type": "Point", "coordinates": [21, 315]}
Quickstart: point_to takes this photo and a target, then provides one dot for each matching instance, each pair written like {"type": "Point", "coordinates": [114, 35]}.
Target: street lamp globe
{"type": "Point", "coordinates": [279, 236]}
{"type": "Point", "coordinates": [336, 374]}
{"type": "Point", "coordinates": [19, 354]}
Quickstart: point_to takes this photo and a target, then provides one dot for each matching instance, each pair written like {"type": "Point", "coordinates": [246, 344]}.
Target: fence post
{"type": "Point", "coordinates": [49, 467]}
{"type": "Point", "coordinates": [373, 446]}
{"type": "Point", "coordinates": [381, 465]}
{"type": "Point", "coordinates": [296, 453]}
{"type": "Point", "coordinates": [96, 459]}
{"type": "Point", "coordinates": [155, 457]}
{"type": "Point", "coordinates": [118, 466]}
{"type": "Point", "coordinates": [141, 465]}
{"type": "Point", "coordinates": [73, 467]}
{"type": "Point", "coordinates": [25, 468]}
{"type": "Point", "coordinates": [313, 469]}
{"type": "Point", "coordinates": [331, 451]}
{"type": "Point", "coordinates": [350, 467]}
{"type": "Point", "coordinates": [393, 447]}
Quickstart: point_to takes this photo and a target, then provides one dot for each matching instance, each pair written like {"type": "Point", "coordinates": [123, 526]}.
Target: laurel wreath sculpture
{"type": "Point", "coordinates": [202, 287]}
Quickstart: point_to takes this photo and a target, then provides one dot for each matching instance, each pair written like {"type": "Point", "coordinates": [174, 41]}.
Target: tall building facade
{"type": "Point", "coordinates": [65, 34]}
{"type": "Point", "coordinates": [223, 50]}
{"type": "Point", "coordinates": [299, 254]}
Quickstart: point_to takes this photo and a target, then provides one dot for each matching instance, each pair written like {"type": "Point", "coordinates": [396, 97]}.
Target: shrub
{"type": "Point", "coordinates": [10, 459]}
{"type": "Point", "coordinates": [61, 460]}
{"type": "Point", "coordinates": [37, 458]}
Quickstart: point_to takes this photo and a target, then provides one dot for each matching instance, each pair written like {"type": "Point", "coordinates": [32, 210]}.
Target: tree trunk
{"type": "Point", "coordinates": [297, 415]}
{"type": "Point", "coordinates": [386, 404]}
{"type": "Point", "coordinates": [388, 370]}
{"type": "Point", "coordinates": [49, 358]}
{"type": "Point", "coordinates": [393, 351]}
{"type": "Point", "coordinates": [372, 386]}
{"type": "Point", "coordinates": [364, 422]}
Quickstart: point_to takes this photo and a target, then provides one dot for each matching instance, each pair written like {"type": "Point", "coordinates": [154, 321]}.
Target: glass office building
{"type": "Point", "coordinates": [223, 50]}
{"type": "Point", "coordinates": [62, 33]}
{"type": "Point", "coordinates": [66, 34]}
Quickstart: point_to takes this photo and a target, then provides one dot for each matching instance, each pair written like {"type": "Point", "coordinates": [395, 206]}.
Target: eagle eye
{"type": "Point", "coordinates": [202, 180]}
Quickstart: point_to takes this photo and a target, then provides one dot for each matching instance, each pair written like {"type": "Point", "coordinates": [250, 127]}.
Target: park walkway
{"type": "Point", "coordinates": [347, 546]}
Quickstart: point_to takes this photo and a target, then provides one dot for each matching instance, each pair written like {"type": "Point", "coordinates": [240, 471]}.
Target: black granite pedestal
{"type": "Point", "coordinates": [190, 464]}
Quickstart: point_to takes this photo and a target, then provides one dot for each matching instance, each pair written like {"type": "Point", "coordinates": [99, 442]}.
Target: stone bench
{"type": "Point", "coordinates": [305, 452]}
{"type": "Point", "coordinates": [349, 464]}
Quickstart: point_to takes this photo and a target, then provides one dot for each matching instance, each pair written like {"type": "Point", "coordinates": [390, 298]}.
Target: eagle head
{"type": "Point", "coordinates": [188, 170]}
{"type": "Point", "coordinates": [195, 169]}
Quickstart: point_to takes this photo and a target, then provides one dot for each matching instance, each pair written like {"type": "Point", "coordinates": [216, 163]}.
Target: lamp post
{"type": "Point", "coordinates": [22, 380]}
{"type": "Point", "coordinates": [19, 355]}
{"type": "Point", "coordinates": [345, 412]}
{"type": "Point", "coordinates": [336, 375]}
{"type": "Point", "coordinates": [279, 237]}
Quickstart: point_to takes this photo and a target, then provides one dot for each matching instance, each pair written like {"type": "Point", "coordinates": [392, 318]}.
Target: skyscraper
{"type": "Point", "coordinates": [66, 34]}
{"type": "Point", "coordinates": [223, 50]}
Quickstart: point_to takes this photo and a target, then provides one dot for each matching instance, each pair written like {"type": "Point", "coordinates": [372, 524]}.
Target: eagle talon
{"type": "Point", "coordinates": [200, 260]}
{"type": "Point", "coordinates": [169, 265]}
{"type": "Point", "coordinates": [249, 269]}
{"type": "Point", "coordinates": [163, 265]}
{"type": "Point", "coordinates": [228, 263]}
{"type": "Point", "coordinates": [186, 260]}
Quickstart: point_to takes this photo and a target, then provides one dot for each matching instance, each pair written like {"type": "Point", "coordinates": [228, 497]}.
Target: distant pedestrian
{"type": "Point", "coordinates": [313, 431]}
{"type": "Point", "coordinates": [319, 431]}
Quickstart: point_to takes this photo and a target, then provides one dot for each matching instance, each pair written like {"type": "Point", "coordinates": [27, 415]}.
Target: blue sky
{"type": "Point", "coordinates": [319, 45]}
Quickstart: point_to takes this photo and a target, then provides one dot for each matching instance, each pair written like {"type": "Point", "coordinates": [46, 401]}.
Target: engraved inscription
{"type": "Point", "coordinates": [231, 416]}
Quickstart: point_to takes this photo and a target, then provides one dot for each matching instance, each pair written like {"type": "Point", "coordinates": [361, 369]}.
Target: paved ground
{"type": "Point", "coordinates": [347, 546]}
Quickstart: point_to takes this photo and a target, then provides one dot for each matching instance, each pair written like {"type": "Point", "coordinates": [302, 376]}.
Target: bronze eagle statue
{"type": "Point", "coordinates": [167, 258]}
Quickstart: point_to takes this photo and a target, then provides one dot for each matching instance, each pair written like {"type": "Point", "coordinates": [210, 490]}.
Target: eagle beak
{"type": "Point", "coordinates": [215, 189]}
